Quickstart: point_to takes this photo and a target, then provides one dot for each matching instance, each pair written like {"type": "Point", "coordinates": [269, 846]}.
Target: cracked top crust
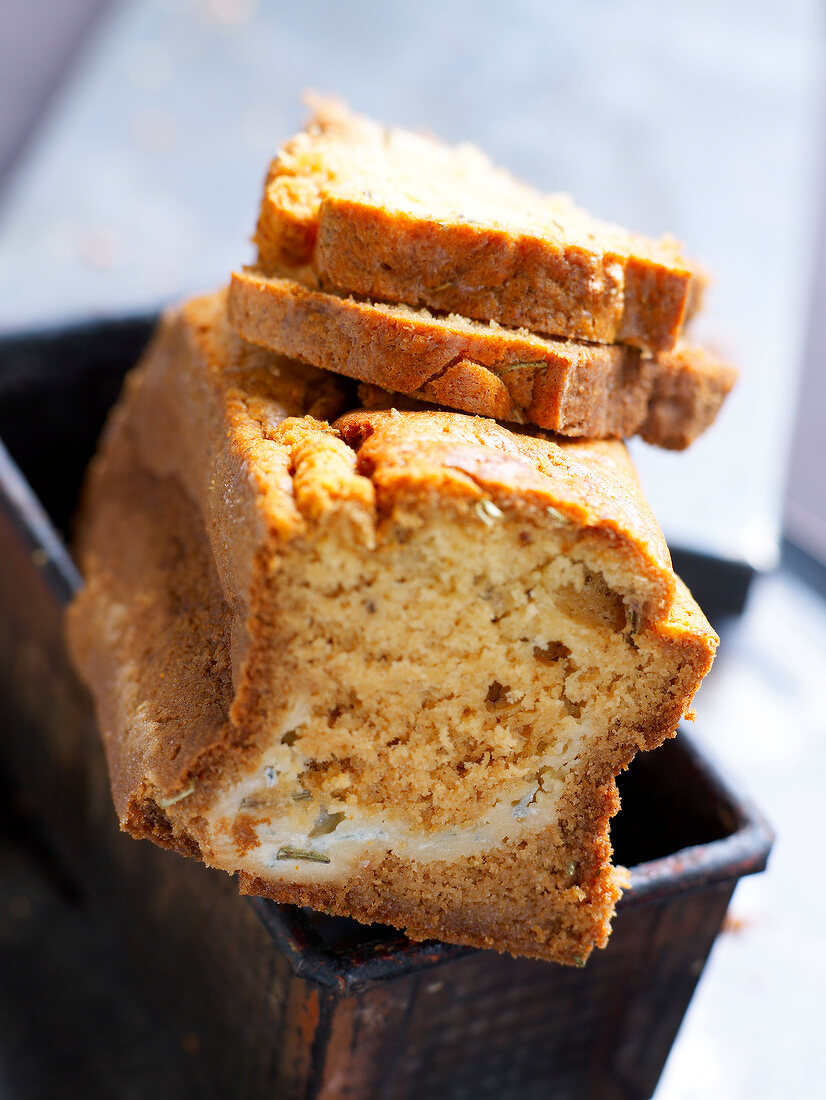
{"type": "Point", "coordinates": [400, 217]}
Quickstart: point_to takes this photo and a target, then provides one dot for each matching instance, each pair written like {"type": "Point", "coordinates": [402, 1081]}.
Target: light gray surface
{"type": "Point", "coordinates": [38, 40]}
{"type": "Point", "coordinates": [754, 1030]}
{"type": "Point", "coordinates": [697, 119]}
{"type": "Point", "coordinates": [805, 513]}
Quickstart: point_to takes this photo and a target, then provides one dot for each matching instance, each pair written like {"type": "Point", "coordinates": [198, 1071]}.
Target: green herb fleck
{"type": "Point", "coordinates": [442, 286]}
{"type": "Point", "coordinates": [579, 961]}
{"type": "Point", "coordinates": [301, 796]}
{"type": "Point", "coordinates": [632, 621]}
{"type": "Point", "coordinates": [165, 802]}
{"type": "Point", "coordinates": [487, 512]}
{"type": "Point", "coordinates": [250, 802]}
{"type": "Point", "coordinates": [301, 853]}
{"type": "Point", "coordinates": [528, 364]}
{"type": "Point", "coordinates": [327, 823]}
{"type": "Point", "coordinates": [555, 513]}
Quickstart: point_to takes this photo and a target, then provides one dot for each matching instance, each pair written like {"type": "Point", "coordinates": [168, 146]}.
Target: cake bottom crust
{"type": "Point", "coordinates": [546, 896]}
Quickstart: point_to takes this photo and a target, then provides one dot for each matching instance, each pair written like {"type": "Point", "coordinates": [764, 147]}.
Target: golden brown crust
{"type": "Point", "coordinates": [517, 280]}
{"type": "Point", "coordinates": [373, 211]}
{"type": "Point", "coordinates": [590, 484]}
{"type": "Point", "coordinates": [150, 632]}
{"type": "Point", "coordinates": [569, 387]}
{"type": "Point", "coordinates": [211, 475]}
{"type": "Point", "coordinates": [687, 396]}
{"type": "Point", "coordinates": [198, 415]}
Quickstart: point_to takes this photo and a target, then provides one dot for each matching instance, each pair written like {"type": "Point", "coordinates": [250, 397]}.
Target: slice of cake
{"type": "Point", "coordinates": [380, 662]}
{"type": "Point", "coordinates": [403, 218]}
{"type": "Point", "coordinates": [567, 386]}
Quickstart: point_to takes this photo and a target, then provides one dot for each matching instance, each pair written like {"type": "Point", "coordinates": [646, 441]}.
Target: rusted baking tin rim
{"type": "Point", "coordinates": [353, 969]}
{"type": "Point", "coordinates": [744, 852]}
{"type": "Point", "coordinates": [36, 531]}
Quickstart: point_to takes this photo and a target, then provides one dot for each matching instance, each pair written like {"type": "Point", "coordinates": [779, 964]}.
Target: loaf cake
{"type": "Point", "coordinates": [381, 662]}
{"type": "Point", "coordinates": [571, 387]}
{"type": "Point", "coordinates": [357, 207]}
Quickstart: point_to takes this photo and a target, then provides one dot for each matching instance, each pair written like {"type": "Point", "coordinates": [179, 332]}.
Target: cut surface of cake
{"type": "Point", "coordinates": [570, 387]}
{"type": "Point", "coordinates": [386, 663]}
{"type": "Point", "coordinates": [400, 217]}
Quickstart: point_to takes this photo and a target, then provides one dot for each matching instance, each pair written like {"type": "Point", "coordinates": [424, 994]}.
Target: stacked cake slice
{"type": "Point", "coordinates": [378, 657]}
{"type": "Point", "coordinates": [402, 218]}
{"type": "Point", "coordinates": [364, 232]}
{"type": "Point", "coordinates": [567, 386]}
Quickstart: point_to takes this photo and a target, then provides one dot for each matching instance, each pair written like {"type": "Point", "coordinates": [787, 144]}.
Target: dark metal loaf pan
{"type": "Point", "coordinates": [285, 1002]}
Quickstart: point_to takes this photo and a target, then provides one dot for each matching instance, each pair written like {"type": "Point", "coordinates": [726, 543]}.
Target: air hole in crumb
{"type": "Point", "coordinates": [355, 435]}
{"type": "Point", "coordinates": [497, 693]}
{"type": "Point", "coordinates": [553, 651]}
{"type": "Point", "coordinates": [290, 737]}
{"type": "Point", "coordinates": [525, 538]}
{"type": "Point", "coordinates": [595, 604]}
{"type": "Point", "coordinates": [371, 607]}
{"type": "Point", "coordinates": [325, 824]}
{"type": "Point", "coordinates": [341, 708]}
{"type": "Point", "coordinates": [571, 708]}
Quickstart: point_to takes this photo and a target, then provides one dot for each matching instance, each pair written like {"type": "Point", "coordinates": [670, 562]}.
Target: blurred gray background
{"type": "Point", "coordinates": [134, 138]}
